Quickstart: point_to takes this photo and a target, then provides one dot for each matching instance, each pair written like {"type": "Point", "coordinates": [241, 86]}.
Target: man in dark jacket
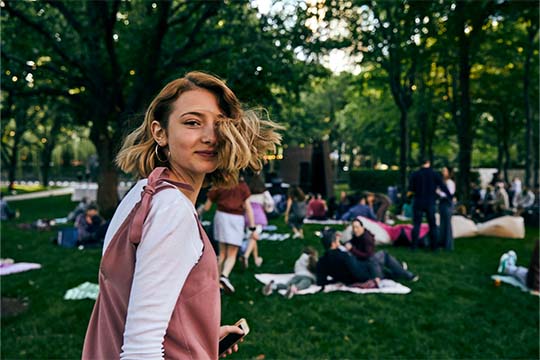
{"type": "Point", "coordinates": [340, 265]}
{"type": "Point", "coordinates": [423, 183]}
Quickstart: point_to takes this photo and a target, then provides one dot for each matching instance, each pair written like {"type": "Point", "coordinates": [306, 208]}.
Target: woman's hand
{"type": "Point", "coordinates": [224, 331]}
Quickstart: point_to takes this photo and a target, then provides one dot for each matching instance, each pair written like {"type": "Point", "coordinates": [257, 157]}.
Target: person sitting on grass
{"type": "Point", "coordinates": [317, 208]}
{"type": "Point", "coordinates": [527, 276]}
{"type": "Point", "coordinates": [360, 209]}
{"type": "Point", "coordinates": [362, 246]}
{"type": "Point", "coordinates": [523, 200]}
{"type": "Point", "coordinates": [5, 211]}
{"type": "Point", "coordinates": [79, 209]}
{"type": "Point", "coordinates": [338, 265]}
{"type": "Point", "coordinates": [91, 226]}
{"type": "Point", "coordinates": [304, 275]}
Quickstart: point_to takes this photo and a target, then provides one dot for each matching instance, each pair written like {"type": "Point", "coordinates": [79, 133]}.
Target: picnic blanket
{"type": "Point", "coordinates": [387, 286]}
{"type": "Point", "coordinates": [86, 290]}
{"type": "Point", "coordinates": [274, 236]}
{"type": "Point", "coordinates": [12, 268]}
{"type": "Point", "coordinates": [510, 280]}
{"type": "Point", "coordinates": [326, 222]}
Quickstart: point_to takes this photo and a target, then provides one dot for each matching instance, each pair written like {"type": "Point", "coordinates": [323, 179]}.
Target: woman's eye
{"type": "Point", "coordinates": [191, 122]}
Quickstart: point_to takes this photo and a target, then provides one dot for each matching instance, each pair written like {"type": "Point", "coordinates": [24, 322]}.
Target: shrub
{"type": "Point", "coordinates": [373, 180]}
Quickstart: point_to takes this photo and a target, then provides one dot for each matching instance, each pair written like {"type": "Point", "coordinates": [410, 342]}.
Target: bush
{"type": "Point", "coordinates": [373, 180]}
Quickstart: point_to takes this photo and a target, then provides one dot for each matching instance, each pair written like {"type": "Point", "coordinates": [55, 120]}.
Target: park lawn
{"type": "Point", "coordinates": [454, 311]}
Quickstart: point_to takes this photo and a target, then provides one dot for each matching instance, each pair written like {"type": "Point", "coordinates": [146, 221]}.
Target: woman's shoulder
{"type": "Point", "coordinates": [173, 197]}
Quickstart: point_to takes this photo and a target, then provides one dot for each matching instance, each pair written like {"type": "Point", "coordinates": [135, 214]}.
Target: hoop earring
{"type": "Point", "coordinates": [156, 151]}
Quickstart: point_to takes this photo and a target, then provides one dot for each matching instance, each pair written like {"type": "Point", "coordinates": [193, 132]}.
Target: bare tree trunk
{"type": "Point", "coordinates": [47, 151]}
{"type": "Point", "coordinates": [403, 152]}
{"type": "Point", "coordinates": [465, 128]}
{"type": "Point", "coordinates": [529, 156]}
{"type": "Point", "coordinates": [107, 194]}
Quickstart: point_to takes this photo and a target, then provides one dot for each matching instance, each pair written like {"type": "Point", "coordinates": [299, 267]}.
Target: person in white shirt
{"type": "Point", "coordinates": [523, 200]}
{"type": "Point", "coordinates": [515, 188]}
{"type": "Point", "coordinates": [194, 133]}
{"type": "Point", "coordinates": [446, 209]}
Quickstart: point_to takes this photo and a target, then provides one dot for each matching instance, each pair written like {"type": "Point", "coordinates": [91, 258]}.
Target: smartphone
{"type": "Point", "coordinates": [228, 341]}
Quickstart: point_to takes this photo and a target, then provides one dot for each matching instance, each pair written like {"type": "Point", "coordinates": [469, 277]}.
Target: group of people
{"type": "Point", "coordinates": [500, 198]}
{"type": "Point", "coordinates": [355, 263]}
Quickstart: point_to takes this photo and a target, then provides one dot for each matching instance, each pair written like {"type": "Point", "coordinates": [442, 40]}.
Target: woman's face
{"type": "Point", "coordinates": [191, 135]}
{"type": "Point", "coordinates": [357, 229]}
{"type": "Point", "coordinates": [445, 172]}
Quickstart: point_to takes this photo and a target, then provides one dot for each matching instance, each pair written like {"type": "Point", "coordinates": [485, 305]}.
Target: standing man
{"type": "Point", "coordinates": [423, 184]}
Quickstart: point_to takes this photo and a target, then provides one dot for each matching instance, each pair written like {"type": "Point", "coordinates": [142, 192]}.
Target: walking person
{"type": "Point", "coordinates": [423, 184]}
{"type": "Point", "coordinates": [261, 203]}
{"type": "Point", "coordinates": [446, 209]}
{"type": "Point", "coordinates": [232, 204]}
{"type": "Point", "coordinates": [158, 277]}
{"type": "Point", "coordinates": [296, 211]}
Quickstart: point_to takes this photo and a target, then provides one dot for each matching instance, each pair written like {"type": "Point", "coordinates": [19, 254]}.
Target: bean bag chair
{"type": "Point", "coordinates": [505, 226]}
{"type": "Point", "coordinates": [463, 227]}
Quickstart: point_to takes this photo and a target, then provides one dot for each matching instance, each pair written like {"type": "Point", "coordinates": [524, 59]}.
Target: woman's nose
{"type": "Point", "coordinates": [209, 135]}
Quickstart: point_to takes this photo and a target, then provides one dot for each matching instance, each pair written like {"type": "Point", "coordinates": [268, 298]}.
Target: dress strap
{"type": "Point", "coordinates": [157, 181]}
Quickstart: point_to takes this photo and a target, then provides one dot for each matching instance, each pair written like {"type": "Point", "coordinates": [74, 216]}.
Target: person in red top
{"type": "Point", "coordinates": [317, 208]}
{"type": "Point", "coordinates": [362, 245]}
{"type": "Point", "coordinates": [232, 204]}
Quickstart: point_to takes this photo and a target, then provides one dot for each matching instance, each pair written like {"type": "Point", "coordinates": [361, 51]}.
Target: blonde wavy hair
{"type": "Point", "coordinates": [244, 137]}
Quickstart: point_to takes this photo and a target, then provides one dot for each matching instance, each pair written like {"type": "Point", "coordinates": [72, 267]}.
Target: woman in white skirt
{"type": "Point", "coordinates": [232, 204]}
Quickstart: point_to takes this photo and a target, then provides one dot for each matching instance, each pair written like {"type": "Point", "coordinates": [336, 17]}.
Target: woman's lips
{"type": "Point", "coordinates": [207, 153]}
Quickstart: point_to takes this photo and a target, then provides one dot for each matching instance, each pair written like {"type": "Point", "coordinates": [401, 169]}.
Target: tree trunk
{"type": "Point", "coordinates": [107, 177]}
{"type": "Point", "coordinates": [423, 133]}
{"type": "Point", "coordinates": [403, 153]}
{"type": "Point", "coordinates": [47, 151]}
{"type": "Point", "coordinates": [13, 158]}
{"type": "Point", "coordinates": [529, 156]}
{"type": "Point", "coordinates": [465, 128]}
{"type": "Point", "coordinates": [107, 194]}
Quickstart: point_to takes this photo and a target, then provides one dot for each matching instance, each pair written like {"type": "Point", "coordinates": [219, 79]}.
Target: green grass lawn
{"type": "Point", "coordinates": [454, 311]}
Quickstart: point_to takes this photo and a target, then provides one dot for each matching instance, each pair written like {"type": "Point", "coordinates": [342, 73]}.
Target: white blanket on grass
{"type": "Point", "coordinates": [86, 290]}
{"type": "Point", "coordinates": [6, 269]}
{"type": "Point", "coordinates": [510, 280]}
{"type": "Point", "coordinates": [387, 286]}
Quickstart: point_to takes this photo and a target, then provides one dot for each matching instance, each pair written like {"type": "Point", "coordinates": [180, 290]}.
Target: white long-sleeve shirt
{"type": "Point", "coordinates": [169, 249]}
{"type": "Point", "coordinates": [451, 185]}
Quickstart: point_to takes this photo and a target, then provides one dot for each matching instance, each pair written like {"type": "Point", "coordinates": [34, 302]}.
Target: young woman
{"type": "Point", "coordinates": [261, 203]}
{"type": "Point", "coordinates": [232, 204]}
{"type": "Point", "coordinates": [296, 210]}
{"type": "Point", "coordinates": [446, 208]}
{"type": "Point", "coordinates": [158, 278]}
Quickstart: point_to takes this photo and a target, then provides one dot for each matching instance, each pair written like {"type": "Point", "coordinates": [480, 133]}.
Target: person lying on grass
{"type": "Point", "coordinates": [362, 246]}
{"type": "Point", "coordinates": [304, 275]}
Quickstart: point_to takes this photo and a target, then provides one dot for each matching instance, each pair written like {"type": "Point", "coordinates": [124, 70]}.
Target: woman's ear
{"type": "Point", "coordinates": [158, 133]}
